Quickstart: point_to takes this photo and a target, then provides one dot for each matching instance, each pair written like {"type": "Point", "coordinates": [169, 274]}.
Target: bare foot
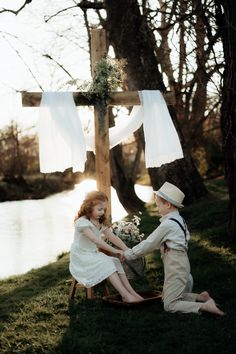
{"type": "Point", "coordinates": [139, 297]}
{"type": "Point", "coordinates": [130, 298]}
{"type": "Point", "coordinates": [210, 306]}
{"type": "Point", "coordinates": [203, 297]}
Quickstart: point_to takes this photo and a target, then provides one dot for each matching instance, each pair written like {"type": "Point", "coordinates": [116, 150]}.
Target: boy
{"type": "Point", "coordinates": [172, 237]}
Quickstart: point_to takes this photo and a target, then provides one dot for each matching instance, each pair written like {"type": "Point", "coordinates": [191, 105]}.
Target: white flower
{"type": "Point", "coordinates": [128, 231]}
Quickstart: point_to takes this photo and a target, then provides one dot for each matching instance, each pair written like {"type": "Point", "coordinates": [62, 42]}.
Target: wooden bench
{"type": "Point", "coordinates": [89, 291]}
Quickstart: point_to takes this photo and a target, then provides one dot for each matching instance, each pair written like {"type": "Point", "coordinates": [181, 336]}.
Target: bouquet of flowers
{"type": "Point", "coordinates": [129, 233]}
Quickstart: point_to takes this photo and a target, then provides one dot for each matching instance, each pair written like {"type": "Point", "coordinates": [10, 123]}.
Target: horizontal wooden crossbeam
{"type": "Point", "coordinates": [124, 98]}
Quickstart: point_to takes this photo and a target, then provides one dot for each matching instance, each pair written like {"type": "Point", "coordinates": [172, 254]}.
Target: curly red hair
{"type": "Point", "coordinates": [91, 199]}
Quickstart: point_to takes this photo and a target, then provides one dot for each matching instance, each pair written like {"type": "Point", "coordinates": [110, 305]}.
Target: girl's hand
{"type": "Point", "coordinates": [120, 254]}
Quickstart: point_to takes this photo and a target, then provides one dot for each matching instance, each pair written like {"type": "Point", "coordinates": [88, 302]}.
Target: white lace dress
{"type": "Point", "coordinates": [87, 265]}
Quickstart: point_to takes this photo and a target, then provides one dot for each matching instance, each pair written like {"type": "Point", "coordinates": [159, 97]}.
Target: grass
{"type": "Point", "coordinates": [36, 317]}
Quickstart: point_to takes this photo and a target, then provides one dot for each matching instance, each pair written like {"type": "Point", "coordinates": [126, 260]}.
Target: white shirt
{"type": "Point", "coordinates": [168, 232]}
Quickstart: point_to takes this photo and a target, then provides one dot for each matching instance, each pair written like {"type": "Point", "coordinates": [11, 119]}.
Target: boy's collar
{"type": "Point", "coordinates": [171, 213]}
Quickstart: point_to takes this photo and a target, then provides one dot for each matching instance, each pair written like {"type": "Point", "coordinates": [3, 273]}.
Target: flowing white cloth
{"type": "Point", "coordinates": [121, 131]}
{"type": "Point", "coordinates": [61, 138]}
{"type": "Point", "coordinates": [62, 143]}
{"type": "Point", "coordinates": [162, 143]}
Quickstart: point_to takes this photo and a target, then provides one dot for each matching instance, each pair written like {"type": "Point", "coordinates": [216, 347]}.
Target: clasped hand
{"type": "Point", "coordinates": [120, 254]}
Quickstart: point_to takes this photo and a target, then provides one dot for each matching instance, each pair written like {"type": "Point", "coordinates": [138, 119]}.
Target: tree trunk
{"type": "Point", "coordinates": [122, 180]}
{"type": "Point", "coordinates": [227, 23]}
{"type": "Point", "coordinates": [132, 39]}
{"type": "Point", "coordinates": [123, 184]}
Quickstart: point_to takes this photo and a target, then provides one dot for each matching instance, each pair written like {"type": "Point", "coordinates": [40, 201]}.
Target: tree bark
{"type": "Point", "coordinates": [122, 180]}
{"type": "Point", "coordinates": [123, 184]}
{"type": "Point", "coordinates": [227, 22]}
{"type": "Point", "coordinates": [133, 40]}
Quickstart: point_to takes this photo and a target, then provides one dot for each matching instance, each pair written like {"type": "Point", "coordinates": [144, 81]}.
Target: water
{"type": "Point", "coordinates": [34, 232]}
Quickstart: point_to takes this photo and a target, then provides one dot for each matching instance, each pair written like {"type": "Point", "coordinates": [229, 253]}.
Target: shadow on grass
{"type": "Point", "coordinates": [96, 327]}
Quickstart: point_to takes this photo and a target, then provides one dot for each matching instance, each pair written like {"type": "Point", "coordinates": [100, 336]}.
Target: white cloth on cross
{"type": "Point", "coordinates": [121, 131]}
{"type": "Point", "coordinates": [61, 138]}
{"type": "Point", "coordinates": [162, 143]}
{"type": "Point", "coordinates": [60, 132]}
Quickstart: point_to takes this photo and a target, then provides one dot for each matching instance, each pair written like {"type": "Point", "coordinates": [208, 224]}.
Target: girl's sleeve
{"type": "Point", "coordinates": [82, 223]}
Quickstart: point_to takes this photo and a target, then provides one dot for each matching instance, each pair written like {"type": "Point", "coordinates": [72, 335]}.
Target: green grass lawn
{"type": "Point", "coordinates": [36, 317]}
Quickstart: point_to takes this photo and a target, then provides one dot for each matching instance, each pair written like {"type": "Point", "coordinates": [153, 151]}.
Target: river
{"type": "Point", "coordinates": [34, 232]}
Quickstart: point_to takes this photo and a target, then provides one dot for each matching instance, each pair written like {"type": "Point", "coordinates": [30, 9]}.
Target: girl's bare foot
{"type": "Point", "coordinates": [130, 298]}
{"type": "Point", "coordinates": [210, 306]}
{"type": "Point", "coordinates": [139, 297]}
{"type": "Point", "coordinates": [203, 297]}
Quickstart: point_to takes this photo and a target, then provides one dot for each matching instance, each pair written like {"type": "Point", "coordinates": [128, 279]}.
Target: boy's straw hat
{"type": "Point", "coordinates": [171, 193]}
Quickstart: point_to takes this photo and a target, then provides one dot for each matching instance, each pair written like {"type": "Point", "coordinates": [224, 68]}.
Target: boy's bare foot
{"type": "Point", "coordinates": [210, 306]}
{"type": "Point", "coordinates": [203, 297]}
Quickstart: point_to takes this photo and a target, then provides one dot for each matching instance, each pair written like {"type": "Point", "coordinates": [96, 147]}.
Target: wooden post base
{"type": "Point", "coordinates": [89, 291]}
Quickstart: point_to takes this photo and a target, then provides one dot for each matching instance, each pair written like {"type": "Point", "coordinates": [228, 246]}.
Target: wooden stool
{"type": "Point", "coordinates": [89, 291]}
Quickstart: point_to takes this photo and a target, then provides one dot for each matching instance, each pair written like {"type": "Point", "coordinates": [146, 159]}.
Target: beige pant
{"type": "Point", "coordinates": [177, 271]}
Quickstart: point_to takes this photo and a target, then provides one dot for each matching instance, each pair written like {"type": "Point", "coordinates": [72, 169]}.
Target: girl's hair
{"type": "Point", "coordinates": [91, 199]}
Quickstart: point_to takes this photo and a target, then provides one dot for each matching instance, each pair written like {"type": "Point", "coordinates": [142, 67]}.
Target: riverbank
{"type": "Point", "coordinates": [36, 317]}
{"type": "Point", "coordinates": [37, 186]}
{"type": "Point", "coordinates": [41, 185]}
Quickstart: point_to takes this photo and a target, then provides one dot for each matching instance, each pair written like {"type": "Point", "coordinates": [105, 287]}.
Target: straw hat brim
{"type": "Point", "coordinates": [166, 197]}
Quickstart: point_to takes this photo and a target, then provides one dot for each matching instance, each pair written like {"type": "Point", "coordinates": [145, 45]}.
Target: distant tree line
{"type": "Point", "coordinates": [19, 152]}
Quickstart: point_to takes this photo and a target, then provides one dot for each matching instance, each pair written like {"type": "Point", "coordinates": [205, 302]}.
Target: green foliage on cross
{"type": "Point", "coordinates": [107, 78]}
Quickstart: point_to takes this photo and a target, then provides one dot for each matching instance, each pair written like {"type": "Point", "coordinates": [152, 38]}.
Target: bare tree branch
{"type": "Point", "coordinates": [15, 12]}
{"type": "Point", "coordinates": [84, 5]}
{"type": "Point", "coordinates": [98, 5]}
{"type": "Point", "coordinates": [46, 19]}
{"type": "Point", "coordinates": [88, 33]}
{"type": "Point", "coordinates": [45, 55]}
{"type": "Point", "coordinates": [60, 65]}
{"type": "Point", "coordinates": [26, 65]}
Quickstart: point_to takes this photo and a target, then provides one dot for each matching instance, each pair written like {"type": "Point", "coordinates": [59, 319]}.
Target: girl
{"type": "Point", "coordinates": [89, 266]}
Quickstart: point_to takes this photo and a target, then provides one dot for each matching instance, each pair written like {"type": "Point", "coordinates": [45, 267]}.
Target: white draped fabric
{"type": "Point", "coordinates": [162, 143]}
{"type": "Point", "coordinates": [63, 145]}
{"type": "Point", "coordinates": [61, 138]}
{"type": "Point", "coordinates": [121, 131]}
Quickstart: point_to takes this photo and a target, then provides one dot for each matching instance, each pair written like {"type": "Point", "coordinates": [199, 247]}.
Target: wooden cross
{"type": "Point", "coordinates": [126, 98]}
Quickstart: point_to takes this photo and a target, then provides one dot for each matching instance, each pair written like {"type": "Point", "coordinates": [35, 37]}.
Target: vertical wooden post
{"type": "Point", "coordinates": [102, 161]}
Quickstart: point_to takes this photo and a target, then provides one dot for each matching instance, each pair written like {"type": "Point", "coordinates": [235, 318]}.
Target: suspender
{"type": "Point", "coordinates": [183, 229]}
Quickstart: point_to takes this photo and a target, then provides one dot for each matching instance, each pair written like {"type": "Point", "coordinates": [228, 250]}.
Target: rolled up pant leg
{"type": "Point", "coordinates": [177, 270]}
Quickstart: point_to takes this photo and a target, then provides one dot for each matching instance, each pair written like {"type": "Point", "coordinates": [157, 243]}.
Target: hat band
{"type": "Point", "coordinates": [172, 201]}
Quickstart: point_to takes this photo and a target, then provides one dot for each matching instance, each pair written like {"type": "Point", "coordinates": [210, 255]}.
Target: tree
{"type": "Point", "coordinates": [19, 153]}
{"type": "Point", "coordinates": [10, 159]}
{"type": "Point", "coordinates": [124, 23]}
{"type": "Point", "coordinates": [142, 32]}
{"type": "Point", "coordinates": [227, 23]}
